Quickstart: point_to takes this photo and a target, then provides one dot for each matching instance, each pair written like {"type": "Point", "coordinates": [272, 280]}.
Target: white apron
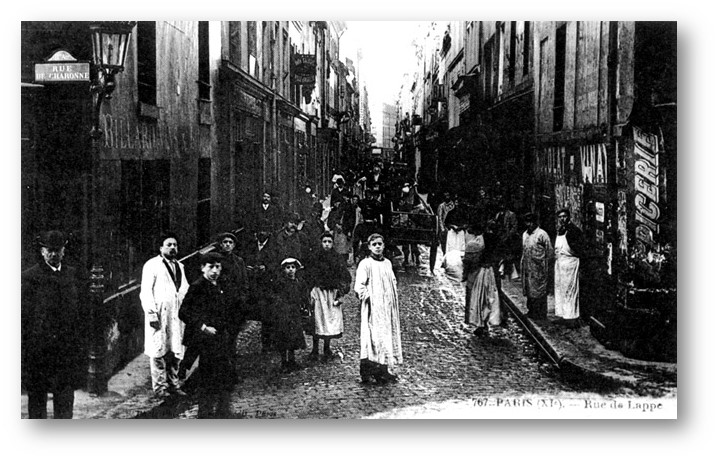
{"type": "Point", "coordinates": [329, 320]}
{"type": "Point", "coordinates": [456, 242]}
{"type": "Point", "coordinates": [566, 280]}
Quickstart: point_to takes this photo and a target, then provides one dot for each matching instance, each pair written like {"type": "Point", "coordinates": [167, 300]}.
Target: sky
{"type": "Point", "coordinates": [387, 54]}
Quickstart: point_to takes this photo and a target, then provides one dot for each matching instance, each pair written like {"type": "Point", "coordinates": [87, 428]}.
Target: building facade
{"type": "Point", "coordinates": [206, 116]}
{"type": "Point", "coordinates": [578, 115]}
{"type": "Point", "coordinates": [605, 147]}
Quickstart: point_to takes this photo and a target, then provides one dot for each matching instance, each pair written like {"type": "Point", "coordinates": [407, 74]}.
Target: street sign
{"type": "Point", "coordinates": [62, 72]}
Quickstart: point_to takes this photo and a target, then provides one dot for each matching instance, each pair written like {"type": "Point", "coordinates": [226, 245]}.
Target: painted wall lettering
{"type": "Point", "coordinates": [594, 163]}
{"type": "Point", "coordinates": [551, 162]}
{"type": "Point", "coordinates": [121, 134]}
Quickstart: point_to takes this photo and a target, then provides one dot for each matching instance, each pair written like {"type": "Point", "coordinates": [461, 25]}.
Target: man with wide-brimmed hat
{"type": "Point", "coordinates": [54, 330]}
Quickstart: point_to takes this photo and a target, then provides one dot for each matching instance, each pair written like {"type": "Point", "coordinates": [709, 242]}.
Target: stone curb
{"type": "Point", "coordinates": [570, 368]}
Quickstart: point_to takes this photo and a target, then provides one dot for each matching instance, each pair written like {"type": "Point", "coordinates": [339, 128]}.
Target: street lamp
{"type": "Point", "coordinates": [109, 48]}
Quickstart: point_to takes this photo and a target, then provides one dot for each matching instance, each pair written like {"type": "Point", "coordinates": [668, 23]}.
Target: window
{"type": "Point", "coordinates": [266, 54]}
{"type": "Point", "coordinates": [252, 47]}
{"type": "Point", "coordinates": [146, 63]}
{"type": "Point", "coordinates": [145, 207]}
{"type": "Point", "coordinates": [488, 69]}
{"type": "Point", "coordinates": [203, 58]}
{"type": "Point", "coordinates": [559, 64]}
{"type": "Point", "coordinates": [204, 195]}
{"type": "Point", "coordinates": [512, 51]}
{"type": "Point", "coordinates": [235, 42]}
{"type": "Point", "coordinates": [500, 59]}
{"type": "Point", "coordinates": [285, 62]}
{"type": "Point", "coordinates": [525, 56]}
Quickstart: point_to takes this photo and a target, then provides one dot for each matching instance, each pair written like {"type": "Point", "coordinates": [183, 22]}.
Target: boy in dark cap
{"type": "Point", "coordinates": [210, 319]}
{"type": "Point", "coordinates": [234, 272]}
{"type": "Point", "coordinates": [290, 296]}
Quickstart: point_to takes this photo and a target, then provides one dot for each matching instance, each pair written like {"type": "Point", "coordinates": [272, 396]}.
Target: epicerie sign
{"type": "Point", "coordinates": [62, 72]}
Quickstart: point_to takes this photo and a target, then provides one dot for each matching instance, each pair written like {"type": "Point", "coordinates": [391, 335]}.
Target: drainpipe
{"type": "Point", "coordinates": [275, 138]}
{"type": "Point", "coordinates": [613, 136]}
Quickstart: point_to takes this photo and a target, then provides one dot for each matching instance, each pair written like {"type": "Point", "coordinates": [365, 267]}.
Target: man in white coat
{"type": "Point", "coordinates": [163, 288]}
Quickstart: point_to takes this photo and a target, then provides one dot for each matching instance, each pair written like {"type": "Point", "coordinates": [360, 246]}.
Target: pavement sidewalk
{"type": "Point", "coordinates": [580, 356]}
{"type": "Point", "coordinates": [129, 396]}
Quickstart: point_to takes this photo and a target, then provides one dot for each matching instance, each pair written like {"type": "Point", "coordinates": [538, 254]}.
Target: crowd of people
{"type": "Point", "coordinates": [291, 272]}
{"type": "Point", "coordinates": [288, 271]}
{"type": "Point", "coordinates": [483, 244]}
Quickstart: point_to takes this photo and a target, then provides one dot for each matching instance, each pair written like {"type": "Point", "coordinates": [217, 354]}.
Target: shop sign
{"type": "Point", "coordinates": [300, 125]}
{"type": "Point", "coordinates": [645, 157]}
{"type": "Point", "coordinates": [570, 196]}
{"type": "Point", "coordinates": [599, 207]}
{"type": "Point", "coordinates": [622, 222]}
{"type": "Point", "coordinates": [304, 69]}
{"type": "Point", "coordinates": [52, 72]}
{"type": "Point", "coordinates": [463, 103]}
{"type": "Point", "coordinates": [247, 103]}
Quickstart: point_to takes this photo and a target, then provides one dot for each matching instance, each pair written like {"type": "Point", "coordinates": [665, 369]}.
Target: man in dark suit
{"type": "Point", "coordinates": [55, 326]}
{"type": "Point", "coordinates": [267, 215]}
{"type": "Point", "coordinates": [376, 182]}
{"type": "Point", "coordinates": [261, 259]}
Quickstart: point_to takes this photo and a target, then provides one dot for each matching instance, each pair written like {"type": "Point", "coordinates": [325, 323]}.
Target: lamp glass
{"type": "Point", "coordinates": [109, 46]}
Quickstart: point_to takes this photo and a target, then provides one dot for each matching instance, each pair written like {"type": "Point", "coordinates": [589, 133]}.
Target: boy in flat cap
{"type": "Point", "coordinates": [210, 320]}
{"type": "Point", "coordinates": [55, 326]}
{"type": "Point", "coordinates": [234, 276]}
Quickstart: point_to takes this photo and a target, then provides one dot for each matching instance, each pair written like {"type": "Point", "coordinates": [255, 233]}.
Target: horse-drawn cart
{"type": "Point", "coordinates": [419, 226]}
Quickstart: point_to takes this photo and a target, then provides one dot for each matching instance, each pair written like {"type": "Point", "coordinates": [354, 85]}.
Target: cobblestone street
{"type": "Point", "coordinates": [445, 366]}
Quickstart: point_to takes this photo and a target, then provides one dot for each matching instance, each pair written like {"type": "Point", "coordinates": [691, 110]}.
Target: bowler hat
{"type": "Point", "coordinates": [52, 239]}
